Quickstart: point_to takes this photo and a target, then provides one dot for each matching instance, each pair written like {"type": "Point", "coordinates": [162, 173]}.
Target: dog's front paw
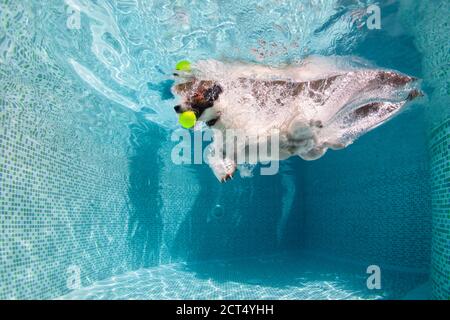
{"type": "Point", "coordinates": [223, 169]}
{"type": "Point", "coordinates": [227, 176]}
{"type": "Point", "coordinates": [229, 169]}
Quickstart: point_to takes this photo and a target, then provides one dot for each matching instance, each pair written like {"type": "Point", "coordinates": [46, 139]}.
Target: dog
{"type": "Point", "coordinates": [321, 104]}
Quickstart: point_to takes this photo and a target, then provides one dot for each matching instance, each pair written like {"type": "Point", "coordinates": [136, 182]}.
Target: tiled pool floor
{"type": "Point", "coordinates": [280, 277]}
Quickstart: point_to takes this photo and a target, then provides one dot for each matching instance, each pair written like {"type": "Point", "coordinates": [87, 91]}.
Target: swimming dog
{"type": "Point", "coordinates": [318, 105]}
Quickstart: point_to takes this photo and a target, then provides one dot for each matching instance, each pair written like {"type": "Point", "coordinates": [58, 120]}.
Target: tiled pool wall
{"type": "Point", "coordinates": [59, 217]}
{"type": "Point", "coordinates": [429, 24]}
{"type": "Point", "coordinates": [371, 202]}
{"type": "Point", "coordinates": [440, 177]}
{"type": "Point", "coordinates": [63, 176]}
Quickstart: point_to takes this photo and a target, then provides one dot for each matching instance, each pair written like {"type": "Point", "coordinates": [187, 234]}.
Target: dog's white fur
{"type": "Point", "coordinates": [319, 104]}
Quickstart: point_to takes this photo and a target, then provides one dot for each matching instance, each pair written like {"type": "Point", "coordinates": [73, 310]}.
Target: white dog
{"type": "Point", "coordinates": [319, 104]}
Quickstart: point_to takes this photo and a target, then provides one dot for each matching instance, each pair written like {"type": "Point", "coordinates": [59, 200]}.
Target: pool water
{"type": "Point", "coordinates": [288, 277]}
{"type": "Point", "coordinates": [92, 206]}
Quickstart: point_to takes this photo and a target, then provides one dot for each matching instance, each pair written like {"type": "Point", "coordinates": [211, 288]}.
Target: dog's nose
{"type": "Point", "coordinates": [177, 108]}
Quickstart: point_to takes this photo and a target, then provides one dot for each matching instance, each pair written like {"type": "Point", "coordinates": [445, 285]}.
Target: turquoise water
{"type": "Point", "coordinates": [88, 190]}
{"type": "Point", "coordinates": [288, 277]}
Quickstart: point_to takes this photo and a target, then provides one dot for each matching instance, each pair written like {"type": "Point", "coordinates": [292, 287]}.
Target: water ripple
{"type": "Point", "coordinates": [278, 277]}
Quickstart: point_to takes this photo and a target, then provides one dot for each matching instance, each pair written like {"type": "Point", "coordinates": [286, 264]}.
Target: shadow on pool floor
{"type": "Point", "coordinates": [275, 277]}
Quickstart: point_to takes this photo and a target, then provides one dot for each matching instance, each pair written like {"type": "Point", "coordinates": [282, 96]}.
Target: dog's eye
{"type": "Point", "coordinates": [212, 94]}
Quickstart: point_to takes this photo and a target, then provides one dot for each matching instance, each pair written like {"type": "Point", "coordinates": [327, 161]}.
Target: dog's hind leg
{"type": "Point", "coordinates": [303, 136]}
{"type": "Point", "coordinates": [313, 154]}
{"type": "Point", "coordinates": [300, 136]}
{"type": "Point", "coordinates": [299, 130]}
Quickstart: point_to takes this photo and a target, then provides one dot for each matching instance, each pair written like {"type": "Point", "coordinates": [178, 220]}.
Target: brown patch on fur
{"type": "Point", "coordinates": [323, 84]}
{"type": "Point", "coordinates": [391, 78]}
{"type": "Point", "coordinates": [182, 88]}
{"type": "Point", "coordinates": [367, 109]}
{"type": "Point", "coordinates": [198, 87]}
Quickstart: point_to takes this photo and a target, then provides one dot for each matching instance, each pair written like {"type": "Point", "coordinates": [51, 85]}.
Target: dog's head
{"type": "Point", "coordinates": [199, 96]}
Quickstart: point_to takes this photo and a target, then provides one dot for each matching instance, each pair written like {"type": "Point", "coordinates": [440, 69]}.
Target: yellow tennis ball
{"type": "Point", "coordinates": [183, 65]}
{"type": "Point", "coordinates": [187, 119]}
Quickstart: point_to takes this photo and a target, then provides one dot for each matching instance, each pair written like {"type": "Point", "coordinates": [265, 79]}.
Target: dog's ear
{"type": "Point", "coordinates": [212, 93]}
{"type": "Point", "coordinates": [183, 88]}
